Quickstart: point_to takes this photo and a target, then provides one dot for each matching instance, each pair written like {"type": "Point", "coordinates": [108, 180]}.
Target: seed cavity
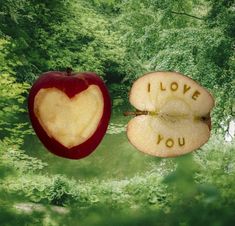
{"type": "Point", "coordinates": [149, 86]}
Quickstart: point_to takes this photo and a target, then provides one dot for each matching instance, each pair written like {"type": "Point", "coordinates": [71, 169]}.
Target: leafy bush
{"type": "Point", "coordinates": [9, 215]}
{"type": "Point", "coordinates": [12, 108]}
{"type": "Point", "coordinates": [14, 126]}
{"type": "Point", "coordinates": [59, 191]}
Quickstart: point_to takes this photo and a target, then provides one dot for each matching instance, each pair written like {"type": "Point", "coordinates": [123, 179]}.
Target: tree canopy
{"type": "Point", "coordinates": [121, 40]}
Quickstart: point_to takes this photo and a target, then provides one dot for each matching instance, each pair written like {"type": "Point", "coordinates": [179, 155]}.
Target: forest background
{"type": "Point", "coordinates": [120, 40]}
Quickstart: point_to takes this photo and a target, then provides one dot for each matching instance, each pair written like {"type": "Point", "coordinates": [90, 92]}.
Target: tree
{"type": "Point", "coordinates": [192, 37]}
{"type": "Point", "coordinates": [55, 35]}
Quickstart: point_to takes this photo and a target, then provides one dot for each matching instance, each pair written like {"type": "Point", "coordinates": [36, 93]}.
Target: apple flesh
{"type": "Point", "coordinates": [69, 112]}
{"type": "Point", "coordinates": [173, 116]}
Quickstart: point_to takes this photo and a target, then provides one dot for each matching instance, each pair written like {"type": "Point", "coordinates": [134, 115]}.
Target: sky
{"type": "Point", "coordinates": [231, 132]}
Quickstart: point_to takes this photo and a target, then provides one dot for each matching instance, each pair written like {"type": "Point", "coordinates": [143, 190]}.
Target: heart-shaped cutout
{"type": "Point", "coordinates": [70, 121]}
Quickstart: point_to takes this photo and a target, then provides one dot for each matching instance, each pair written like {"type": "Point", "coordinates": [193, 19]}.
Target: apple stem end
{"type": "Point", "coordinates": [69, 71]}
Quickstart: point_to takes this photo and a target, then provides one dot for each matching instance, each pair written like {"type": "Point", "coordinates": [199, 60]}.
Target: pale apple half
{"type": "Point", "coordinates": [173, 114]}
{"type": "Point", "coordinates": [70, 121]}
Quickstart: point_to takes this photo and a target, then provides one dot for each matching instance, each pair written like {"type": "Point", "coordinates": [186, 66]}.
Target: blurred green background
{"type": "Point", "coordinates": [120, 40]}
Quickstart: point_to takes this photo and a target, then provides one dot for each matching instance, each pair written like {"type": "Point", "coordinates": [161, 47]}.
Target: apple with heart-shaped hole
{"type": "Point", "coordinates": [173, 114]}
{"type": "Point", "coordinates": [69, 112]}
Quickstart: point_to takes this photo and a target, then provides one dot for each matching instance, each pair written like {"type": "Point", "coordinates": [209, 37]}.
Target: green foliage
{"type": "Point", "coordinates": [12, 109]}
{"type": "Point", "coordinates": [9, 216]}
{"type": "Point", "coordinates": [14, 125]}
{"type": "Point", "coordinates": [14, 157]}
{"type": "Point", "coordinates": [192, 188]}
{"type": "Point", "coordinates": [120, 40]}
{"type": "Point", "coordinates": [56, 35]}
{"type": "Point", "coordinates": [119, 94]}
{"type": "Point", "coordinates": [192, 37]}
{"type": "Point", "coordinates": [60, 192]}
{"type": "Point", "coordinates": [115, 128]}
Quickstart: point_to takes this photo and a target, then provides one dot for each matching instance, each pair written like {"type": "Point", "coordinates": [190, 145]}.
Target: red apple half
{"type": "Point", "coordinates": [173, 116]}
{"type": "Point", "coordinates": [69, 112]}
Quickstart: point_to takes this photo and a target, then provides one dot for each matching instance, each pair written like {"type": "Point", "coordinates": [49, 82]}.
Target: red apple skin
{"type": "Point", "coordinates": [70, 84]}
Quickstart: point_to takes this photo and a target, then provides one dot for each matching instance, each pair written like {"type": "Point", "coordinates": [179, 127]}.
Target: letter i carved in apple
{"type": "Point", "coordinates": [173, 114]}
{"type": "Point", "coordinates": [69, 112]}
